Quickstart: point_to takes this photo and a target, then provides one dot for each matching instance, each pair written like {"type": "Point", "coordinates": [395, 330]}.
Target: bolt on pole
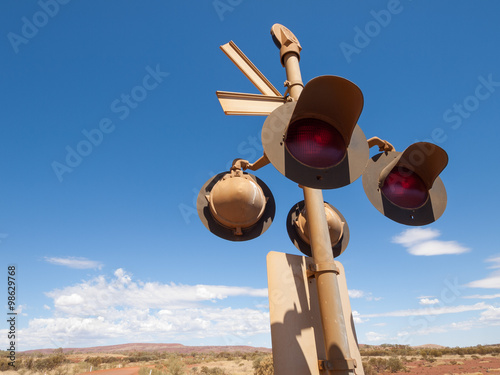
{"type": "Point", "coordinates": [338, 359]}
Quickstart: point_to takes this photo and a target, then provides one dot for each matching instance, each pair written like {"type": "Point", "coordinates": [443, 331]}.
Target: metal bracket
{"type": "Point", "coordinates": [241, 164]}
{"type": "Point", "coordinates": [383, 145]}
{"type": "Point", "coordinates": [337, 365]}
{"type": "Point", "coordinates": [313, 269]}
{"type": "Point", "coordinates": [289, 86]}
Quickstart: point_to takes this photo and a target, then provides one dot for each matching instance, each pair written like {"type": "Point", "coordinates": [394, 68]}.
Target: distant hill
{"type": "Point", "coordinates": [141, 347]}
{"type": "Point", "coordinates": [183, 349]}
{"type": "Point", "coordinates": [390, 346]}
{"type": "Point", "coordinates": [429, 346]}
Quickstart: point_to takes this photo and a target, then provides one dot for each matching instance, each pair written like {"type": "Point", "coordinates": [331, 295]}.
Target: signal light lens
{"type": "Point", "coordinates": [315, 143]}
{"type": "Point", "coordinates": [405, 188]}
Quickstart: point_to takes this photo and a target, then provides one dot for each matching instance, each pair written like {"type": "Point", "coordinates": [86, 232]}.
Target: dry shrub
{"type": "Point", "coordinates": [264, 366]}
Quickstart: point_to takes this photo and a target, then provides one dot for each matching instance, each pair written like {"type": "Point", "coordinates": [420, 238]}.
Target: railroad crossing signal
{"type": "Point", "coordinates": [311, 136]}
{"type": "Point", "coordinates": [405, 186]}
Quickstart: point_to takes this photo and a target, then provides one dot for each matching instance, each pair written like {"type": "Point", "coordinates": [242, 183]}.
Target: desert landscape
{"type": "Point", "coordinates": [177, 359]}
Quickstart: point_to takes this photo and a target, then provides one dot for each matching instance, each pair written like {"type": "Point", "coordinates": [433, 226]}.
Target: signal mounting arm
{"type": "Point", "coordinates": [245, 164]}
{"type": "Point", "coordinates": [382, 144]}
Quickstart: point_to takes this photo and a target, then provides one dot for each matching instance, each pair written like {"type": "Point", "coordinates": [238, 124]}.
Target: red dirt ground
{"type": "Point", "coordinates": [482, 365]}
{"type": "Point", "coordinates": [117, 371]}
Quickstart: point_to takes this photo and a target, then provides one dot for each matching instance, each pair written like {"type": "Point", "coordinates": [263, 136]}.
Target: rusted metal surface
{"type": "Point", "coordinates": [333, 323]}
{"type": "Point", "coordinates": [236, 201]}
{"type": "Point", "coordinates": [236, 205]}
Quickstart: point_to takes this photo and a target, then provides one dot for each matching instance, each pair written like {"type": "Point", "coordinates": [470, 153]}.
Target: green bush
{"type": "Point", "coordinates": [4, 365]}
{"type": "Point", "coordinates": [394, 364]}
{"type": "Point", "coordinates": [377, 365]}
{"type": "Point", "coordinates": [369, 370]}
{"type": "Point", "coordinates": [49, 363]}
{"type": "Point", "coordinates": [212, 371]}
{"type": "Point", "coordinates": [174, 366]}
{"type": "Point", "coordinates": [147, 370]}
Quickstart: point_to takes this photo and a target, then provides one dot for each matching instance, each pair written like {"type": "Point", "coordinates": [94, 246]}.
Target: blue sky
{"type": "Point", "coordinates": [105, 237]}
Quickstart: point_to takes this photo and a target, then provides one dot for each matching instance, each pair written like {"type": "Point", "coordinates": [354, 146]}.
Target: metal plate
{"type": "Point", "coordinates": [296, 329]}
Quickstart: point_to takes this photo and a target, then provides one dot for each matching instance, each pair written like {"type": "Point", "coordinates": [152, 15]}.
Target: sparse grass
{"type": "Point", "coordinates": [242, 367]}
{"type": "Point", "coordinates": [377, 360]}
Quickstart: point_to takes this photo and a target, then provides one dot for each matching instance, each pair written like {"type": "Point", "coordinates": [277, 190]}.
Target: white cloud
{"type": "Point", "coordinates": [414, 235]}
{"type": "Point", "coordinates": [495, 261]}
{"type": "Point", "coordinates": [357, 318]}
{"type": "Point", "coordinates": [136, 325]}
{"type": "Point", "coordinates": [483, 296]}
{"type": "Point", "coordinates": [123, 309]}
{"type": "Point", "coordinates": [421, 242]}
{"type": "Point", "coordinates": [356, 293]}
{"type": "Point", "coordinates": [99, 294]}
{"type": "Point", "coordinates": [78, 263]}
{"type": "Point", "coordinates": [490, 317]}
{"type": "Point", "coordinates": [434, 247]}
{"type": "Point", "coordinates": [20, 309]}
{"type": "Point", "coordinates": [428, 301]}
{"type": "Point", "coordinates": [375, 337]}
{"type": "Point", "coordinates": [71, 300]}
{"type": "Point", "coordinates": [493, 280]}
{"type": "Point", "coordinates": [438, 310]}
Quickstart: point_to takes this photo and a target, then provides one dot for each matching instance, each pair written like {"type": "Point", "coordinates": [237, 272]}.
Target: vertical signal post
{"type": "Point", "coordinates": [334, 328]}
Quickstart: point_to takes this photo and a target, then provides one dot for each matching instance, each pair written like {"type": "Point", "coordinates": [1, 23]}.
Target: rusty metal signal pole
{"type": "Point", "coordinates": [340, 101]}
{"type": "Point", "coordinates": [338, 358]}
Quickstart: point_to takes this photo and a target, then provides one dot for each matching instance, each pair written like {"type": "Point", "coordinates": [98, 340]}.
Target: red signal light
{"type": "Point", "coordinates": [315, 143]}
{"type": "Point", "coordinates": [405, 188]}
